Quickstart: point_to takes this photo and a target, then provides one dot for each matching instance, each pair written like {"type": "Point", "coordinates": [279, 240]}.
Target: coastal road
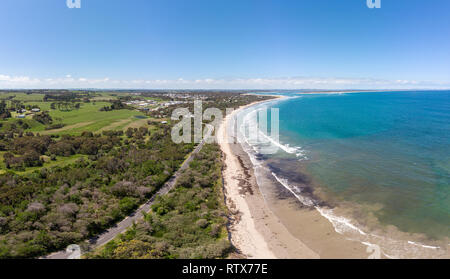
{"type": "Point", "coordinates": [122, 226]}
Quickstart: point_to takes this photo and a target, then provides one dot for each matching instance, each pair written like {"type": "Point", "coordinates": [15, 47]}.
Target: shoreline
{"type": "Point", "coordinates": [278, 220]}
{"type": "Point", "coordinates": [255, 231]}
{"type": "Point", "coordinates": [268, 221]}
{"type": "Point", "coordinates": [263, 226]}
{"type": "Point", "coordinates": [341, 91]}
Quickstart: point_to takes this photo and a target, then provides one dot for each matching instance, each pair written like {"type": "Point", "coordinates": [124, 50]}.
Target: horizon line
{"type": "Point", "coordinates": [224, 89]}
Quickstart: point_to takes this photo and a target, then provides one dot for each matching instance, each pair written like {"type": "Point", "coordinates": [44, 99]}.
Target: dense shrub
{"type": "Point", "coordinates": [43, 117]}
{"type": "Point", "coordinates": [189, 222]}
{"type": "Point", "coordinates": [48, 209]}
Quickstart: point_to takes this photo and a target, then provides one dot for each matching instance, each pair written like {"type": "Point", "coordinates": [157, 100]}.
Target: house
{"type": "Point", "coordinates": [36, 110]}
{"type": "Point", "coordinates": [21, 116]}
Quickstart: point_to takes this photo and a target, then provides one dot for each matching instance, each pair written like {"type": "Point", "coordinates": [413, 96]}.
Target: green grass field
{"type": "Point", "coordinates": [60, 161]}
{"type": "Point", "coordinates": [23, 96]}
{"type": "Point", "coordinates": [87, 118]}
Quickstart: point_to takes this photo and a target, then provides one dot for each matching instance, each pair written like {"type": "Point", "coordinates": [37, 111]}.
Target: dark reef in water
{"type": "Point", "coordinates": [290, 170]}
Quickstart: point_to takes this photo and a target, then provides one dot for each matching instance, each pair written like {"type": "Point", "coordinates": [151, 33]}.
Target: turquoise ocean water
{"type": "Point", "coordinates": [387, 152]}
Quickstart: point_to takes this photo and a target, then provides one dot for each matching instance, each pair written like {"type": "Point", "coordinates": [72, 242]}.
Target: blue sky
{"type": "Point", "coordinates": [225, 44]}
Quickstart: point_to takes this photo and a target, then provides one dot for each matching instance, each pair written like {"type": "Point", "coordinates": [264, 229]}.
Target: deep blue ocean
{"type": "Point", "coordinates": [388, 152]}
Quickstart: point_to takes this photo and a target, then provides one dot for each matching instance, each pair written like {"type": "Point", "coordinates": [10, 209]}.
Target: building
{"type": "Point", "coordinates": [36, 110]}
{"type": "Point", "coordinates": [21, 116]}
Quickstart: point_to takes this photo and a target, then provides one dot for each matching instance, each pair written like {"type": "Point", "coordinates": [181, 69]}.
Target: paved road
{"type": "Point", "coordinates": [122, 226]}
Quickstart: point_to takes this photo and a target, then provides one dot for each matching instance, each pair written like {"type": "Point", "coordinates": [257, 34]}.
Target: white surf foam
{"type": "Point", "coordinates": [304, 200]}
{"type": "Point", "coordinates": [341, 225]}
{"type": "Point", "coordinates": [251, 120]}
{"type": "Point", "coordinates": [422, 245]}
{"type": "Point", "coordinates": [345, 226]}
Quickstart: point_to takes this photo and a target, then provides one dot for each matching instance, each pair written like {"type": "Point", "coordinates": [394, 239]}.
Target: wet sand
{"type": "Point", "coordinates": [269, 222]}
{"type": "Point", "coordinates": [255, 230]}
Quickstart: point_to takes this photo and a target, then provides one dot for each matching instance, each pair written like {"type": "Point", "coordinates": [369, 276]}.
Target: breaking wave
{"type": "Point", "coordinates": [390, 248]}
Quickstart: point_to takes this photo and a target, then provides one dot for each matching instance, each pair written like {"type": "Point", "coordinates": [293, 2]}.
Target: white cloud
{"type": "Point", "coordinates": [14, 82]}
{"type": "Point", "coordinates": [26, 81]}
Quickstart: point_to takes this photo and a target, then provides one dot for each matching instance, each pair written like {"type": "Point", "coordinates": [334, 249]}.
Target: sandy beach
{"type": "Point", "coordinates": [264, 226]}
{"type": "Point", "coordinates": [255, 231]}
